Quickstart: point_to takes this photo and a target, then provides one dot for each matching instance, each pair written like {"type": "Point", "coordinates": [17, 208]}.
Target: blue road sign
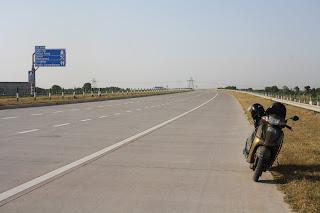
{"type": "Point", "coordinates": [49, 57]}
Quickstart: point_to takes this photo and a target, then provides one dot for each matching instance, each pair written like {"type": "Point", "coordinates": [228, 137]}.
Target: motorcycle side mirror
{"type": "Point", "coordinates": [295, 118]}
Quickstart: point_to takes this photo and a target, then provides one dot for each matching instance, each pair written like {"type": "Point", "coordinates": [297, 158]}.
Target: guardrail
{"type": "Point", "coordinates": [286, 100]}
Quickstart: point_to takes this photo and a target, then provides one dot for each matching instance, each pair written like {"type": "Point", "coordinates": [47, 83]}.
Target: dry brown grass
{"type": "Point", "coordinates": [298, 172]}
{"type": "Point", "coordinates": [57, 99]}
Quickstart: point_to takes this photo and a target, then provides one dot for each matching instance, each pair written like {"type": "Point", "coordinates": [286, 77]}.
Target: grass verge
{"type": "Point", "coordinates": [298, 172]}
{"type": "Point", "coordinates": [6, 103]}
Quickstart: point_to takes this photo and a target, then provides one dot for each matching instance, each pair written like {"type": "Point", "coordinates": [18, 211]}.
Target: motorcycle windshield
{"type": "Point", "coordinates": [275, 120]}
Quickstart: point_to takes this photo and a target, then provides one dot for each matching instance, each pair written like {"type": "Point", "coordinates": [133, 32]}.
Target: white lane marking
{"type": "Point", "coordinates": [24, 188]}
{"type": "Point", "coordinates": [7, 118]}
{"type": "Point", "coordinates": [128, 111]}
{"type": "Point", "coordinates": [84, 120]}
{"type": "Point", "coordinates": [138, 109]}
{"type": "Point", "coordinates": [57, 112]}
{"type": "Point", "coordinates": [59, 125]}
{"type": "Point", "coordinates": [118, 113]}
{"type": "Point", "coordinates": [104, 116]}
{"type": "Point", "coordinates": [27, 131]}
{"type": "Point", "coordinates": [37, 114]}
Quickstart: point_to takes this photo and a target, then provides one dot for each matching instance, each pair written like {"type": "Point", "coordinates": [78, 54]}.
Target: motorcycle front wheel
{"type": "Point", "coordinates": [258, 170]}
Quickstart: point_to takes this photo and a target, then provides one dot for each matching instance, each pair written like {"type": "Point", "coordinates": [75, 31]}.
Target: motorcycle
{"type": "Point", "coordinates": [266, 141]}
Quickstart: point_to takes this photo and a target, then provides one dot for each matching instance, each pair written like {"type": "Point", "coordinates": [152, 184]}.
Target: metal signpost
{"type": "Point", "coordinates": [43, 57]}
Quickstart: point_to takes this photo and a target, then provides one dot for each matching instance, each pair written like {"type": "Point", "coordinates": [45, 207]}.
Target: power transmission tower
{"type": "Point", "coordinates": [190, 83]}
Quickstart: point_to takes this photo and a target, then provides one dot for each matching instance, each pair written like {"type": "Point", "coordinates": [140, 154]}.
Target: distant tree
{"type": "Point", "coordinates": [267, 89]}
{"type": "Point", "coordinates": [318, 91]}
{"type": "Point", "coordinates": [313, 92]}
{"type": "Point", "coordinates": [285, 90]}
{"type": "Point", "coordinates": [307, 89]}
{"type": "Point", "coordinates": [40, 91]}
{"type": "Point", "coordinates": [296, 90]}
{"type": "Point", "coordinates": [274, 89]}
{"type": "Point", "coordinates": [87, 87]}
{"type": "Point", "coordinates": [56, 89]}
{"type": "Point", "coordinates": [231, 87]}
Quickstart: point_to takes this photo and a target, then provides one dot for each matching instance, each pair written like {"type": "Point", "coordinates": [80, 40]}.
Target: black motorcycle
{"type": "Point", "coordinates": [265, 143]}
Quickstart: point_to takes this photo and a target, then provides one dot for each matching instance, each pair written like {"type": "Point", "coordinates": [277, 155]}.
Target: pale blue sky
{"type": "Point", "coordinates": [146, 43]}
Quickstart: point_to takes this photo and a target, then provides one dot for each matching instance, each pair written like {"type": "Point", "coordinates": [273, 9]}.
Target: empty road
{"type": "Point", "coordinates": [169, 153]}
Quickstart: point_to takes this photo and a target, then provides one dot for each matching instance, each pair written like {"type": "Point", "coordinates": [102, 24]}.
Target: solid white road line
{"type": "Point", "coordinates": [7, 118]}
{"type": "Point", "coordinates": [37, 114]}
{"type": "Point", "coordinates": [15, 192]}
{"type": "Point", "coordinates": [27, 131]}
{"type": "Point", "coordinates": [84, 120]}
{"type": "Point", "coordinates": [59, 125]}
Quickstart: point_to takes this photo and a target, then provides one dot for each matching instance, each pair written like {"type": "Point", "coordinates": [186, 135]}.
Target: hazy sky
{"type": "Point", "coordinates": [147, 43]}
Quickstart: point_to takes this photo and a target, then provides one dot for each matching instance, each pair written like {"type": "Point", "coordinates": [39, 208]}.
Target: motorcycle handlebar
{"type": "Point", "coordinates": [289, 127]}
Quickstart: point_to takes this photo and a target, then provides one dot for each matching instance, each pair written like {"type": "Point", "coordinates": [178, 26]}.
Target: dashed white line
{"type": "Point", "coordinates": [104, 116]}
{"type": "Point", "coordinates": [138, 109]}
{"type": "Point", "coordinates": [27, 131]}
{"type": "Point", "coordinates": [128, 111]}
{"type": "Point", "coordinates": [84, 120]}
{"type": "Point", "coordinates": [59, 125]}
{"type": "Point", "coordinates": [74, 109]}
{"type": "Point", "coordinates": [7, 118]}
{"type": "Point", "coordinates": [37, 114]}
{"type": "Point", "coordinates": [118, 113]}
{"type": "Point", "coordinates": [57, 112]}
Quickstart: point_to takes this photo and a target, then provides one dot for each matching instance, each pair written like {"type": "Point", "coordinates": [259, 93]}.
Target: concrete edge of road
{"type": "Point", "coordinates": [77, 101]}
{"type": "Point", "coordinates": [292, 103]}
{"type": "Point", "coordinates": [33, 184]}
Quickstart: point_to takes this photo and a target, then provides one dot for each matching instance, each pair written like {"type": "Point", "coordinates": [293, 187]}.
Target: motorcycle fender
{"type": "Point", "coordinates": [255, 144]}
{"type": "Point", "coordinates": [263, 152]}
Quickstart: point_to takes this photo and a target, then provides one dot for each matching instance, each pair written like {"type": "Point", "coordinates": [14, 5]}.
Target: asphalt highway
{"type": "Point", "coordinates": [168, 153]}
